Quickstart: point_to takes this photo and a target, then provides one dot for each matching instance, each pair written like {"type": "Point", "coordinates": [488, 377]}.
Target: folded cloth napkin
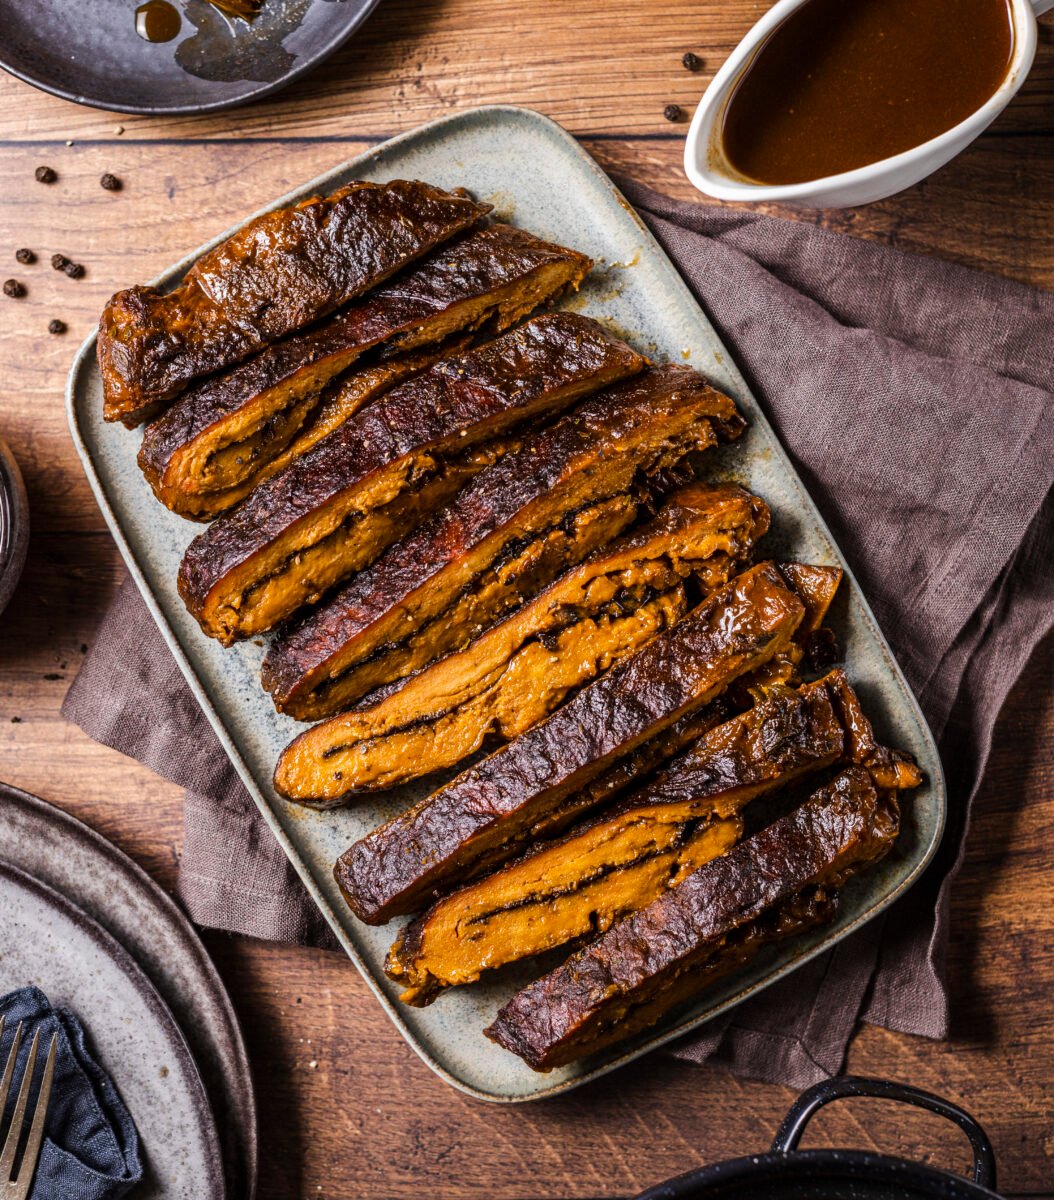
{"type": "Point", "coordinates": [916, 399]}
{"type": "Point", "coordinates": [90, 1149]}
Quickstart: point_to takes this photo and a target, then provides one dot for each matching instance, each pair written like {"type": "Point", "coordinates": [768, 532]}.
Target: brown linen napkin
{"type": "Point", "coordinates": [916, 399]}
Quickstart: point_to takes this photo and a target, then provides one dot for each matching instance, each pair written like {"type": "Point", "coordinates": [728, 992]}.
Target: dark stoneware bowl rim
{"type": "Point", "coordinates": [355, 20]}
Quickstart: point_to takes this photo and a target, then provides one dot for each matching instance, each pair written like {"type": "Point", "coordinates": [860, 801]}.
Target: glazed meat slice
{"type": "Point", "coordinates": [781, 881]}
{"type": "Point", "coordinates": [336, 508]}
{"type": "Point", "coordinates": [530, 787]}
{"type": "Point", "coordinates": [620, 861]}
{"type": "Point", "coordinates": [341, 399]}
{"type": "Point", "coordinates": [278, 273]}
{"type": "Point", "coordinates": [518, 671]}
{"type": "Point", "coordinates": [566, 491]}
{"type": "Point", "coordinates": [219, 434]}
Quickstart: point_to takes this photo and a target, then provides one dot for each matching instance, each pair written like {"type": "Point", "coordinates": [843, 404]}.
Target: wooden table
{"type": "Point", "coordinates": [346, 1109]}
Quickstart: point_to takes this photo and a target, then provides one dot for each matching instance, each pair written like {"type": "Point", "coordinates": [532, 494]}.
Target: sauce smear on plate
{"type": "Point", "coordinates": [843, 83]}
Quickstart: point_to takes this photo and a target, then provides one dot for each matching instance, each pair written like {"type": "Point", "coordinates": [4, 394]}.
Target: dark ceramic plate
{"type": "Point", "coordinates": [90, 52]}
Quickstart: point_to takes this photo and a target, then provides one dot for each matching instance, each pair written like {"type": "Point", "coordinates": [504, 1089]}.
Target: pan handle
{"type": "Point", "coordinates": [789, 1133]}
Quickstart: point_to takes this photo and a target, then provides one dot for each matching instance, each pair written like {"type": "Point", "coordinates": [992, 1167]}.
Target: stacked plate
{"type": "Point", "coordinates": [86, 925]}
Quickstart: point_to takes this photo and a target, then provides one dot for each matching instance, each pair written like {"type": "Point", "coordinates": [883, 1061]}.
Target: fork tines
{"type": "Point", "coordinates": [15, 1186]}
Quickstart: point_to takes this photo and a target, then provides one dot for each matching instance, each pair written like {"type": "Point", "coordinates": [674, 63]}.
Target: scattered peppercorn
{"type": "Point", "coordinates": [691, 62]}
{"type": "Point", "coordinates": [51, 676]}
{"type": "Point", "coordinates": [110, 182]}
{"type": "Point", "coordinates": [44, 175]}
{"type": "Point", "coordinates": [56, 326]}
{"type": "Point", "coordinates": [73, 270]}
{"type": "Point", "coordinates": [16, 720]}
{"type": "Point", "coordinates": [672, 112]}
{"type": "Point", "coordinates": [59, 262]}
{"type": "Point", "coordinates": [25, 257]}
{"type": "Point", "coordinates": [13, 288]}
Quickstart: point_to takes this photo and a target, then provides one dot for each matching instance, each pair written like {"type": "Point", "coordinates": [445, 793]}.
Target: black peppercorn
{"type": "Point", "coordinates": [672, 112]}
{"type": "Point", "coordinates": [44, 175]}
{"type": "Point", "coordinates": [56, 326]}
{"type": "Point", "coordinates": [25, 257]}
{"type": "Point", "coordinates": [691, 62]}
{"type": "Point", "coordinates": [110, 182]}
{"type": "Point", "coordinates": [13, 288]}
{"type": "Point", "coordinates": [59, 262]}
{"type": "Point", "coordinates": [73, 270]}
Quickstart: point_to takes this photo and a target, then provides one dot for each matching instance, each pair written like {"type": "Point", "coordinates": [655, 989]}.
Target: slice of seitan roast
{"type": "Point", "coordinates": [534, 785]}
{"type": "Point", "coordinates": [278, 273]}
{"type": "Point", "coordinates": [567, 490]}
{"type": "Point", "coordinates": [218, 435]}
{"type": "Point", "coordinates": [332, 511]}
{"type": "Point", "coordinates": [770, 887]}
{"type": "Point", "coordinates": [621, 860]}
{"type": "Point", "coordinates": [518, 671]}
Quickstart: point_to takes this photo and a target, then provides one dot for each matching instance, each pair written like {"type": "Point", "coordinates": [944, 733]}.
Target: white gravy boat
{"type": "Point", "coordinates": [706, 168]}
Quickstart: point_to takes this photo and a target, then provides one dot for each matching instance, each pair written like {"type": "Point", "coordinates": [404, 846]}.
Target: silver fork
{"type": "Point", "coordinates": [16, 1187]}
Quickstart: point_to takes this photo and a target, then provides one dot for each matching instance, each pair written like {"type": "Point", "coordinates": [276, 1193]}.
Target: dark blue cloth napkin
{"type": "Point", "coordinates": [90, 1149]}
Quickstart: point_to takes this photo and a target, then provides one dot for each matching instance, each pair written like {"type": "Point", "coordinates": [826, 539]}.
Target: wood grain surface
{"type": "Point", "coordinates": [347, 1110]}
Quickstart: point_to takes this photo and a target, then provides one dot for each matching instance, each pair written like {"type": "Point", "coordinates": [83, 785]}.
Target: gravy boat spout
{"type": "Point", "coordinates": [707, 168]}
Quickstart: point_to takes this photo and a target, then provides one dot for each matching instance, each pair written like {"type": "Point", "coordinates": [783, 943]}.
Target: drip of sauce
{"type": "Point", "coordinates": [157, 21]}
{"type": "Point", "coordinates": [844, 83]}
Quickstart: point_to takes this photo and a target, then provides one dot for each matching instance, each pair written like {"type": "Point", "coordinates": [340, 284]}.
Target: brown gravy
{"type": "Point", "coordinates": [843, 83]}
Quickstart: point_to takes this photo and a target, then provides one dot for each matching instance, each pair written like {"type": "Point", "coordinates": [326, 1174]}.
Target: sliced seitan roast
{"type": "Point", "coordinates": [278, 273]}
{"type": "Point", "coordinates": [567, 490]}
{"type": "Point", "coordinates": [535, 785]}
{"type": "Point", "coordinates": [770, 887]}
{"type": "Point", "coordinates": [332, 511]}
{"type": "Point", "coordinates": [620, 861]}
{"type": "Point", "coordinates": [518, 671]}
{"type": "Point", "coordinates": [218, 435]}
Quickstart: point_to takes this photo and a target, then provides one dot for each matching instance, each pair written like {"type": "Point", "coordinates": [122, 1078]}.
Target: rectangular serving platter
{"type": "Point", "coordinates": [536, 175]}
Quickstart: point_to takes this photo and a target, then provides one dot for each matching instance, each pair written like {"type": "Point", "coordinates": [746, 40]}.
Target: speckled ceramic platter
{"type": "Point", "coordinates": [64, 854]}
{"type": "Point", "coordinates": [90, 53]}
{"type": "Point", "coordinates": [536, 176]}
{"type": "Point", "coordinates": [51, 943]}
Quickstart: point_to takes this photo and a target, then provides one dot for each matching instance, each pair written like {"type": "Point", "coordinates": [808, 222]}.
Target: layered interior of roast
{"type": "Point", "coordinates": [519, 670]}
{"type": "Point", "coordinates": [491, 810]}
{"type": "Point", "coordinates": [771, 886]}
{"type": "Point", "coordinates": [340, 400]}
{"type": "Point", "coordinates": [564, 493]}
{"type": "Point", "coordinates": [221, 433]}
{"type": "Point", "coordinates": [337, 507]}
{"type": "Point", "coordinates": [620, 861]}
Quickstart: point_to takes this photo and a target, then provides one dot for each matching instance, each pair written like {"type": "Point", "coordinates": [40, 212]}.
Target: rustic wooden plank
{"type": "Point", "coordinates": [369, 1119]}
{"type": "Point", "coordinates": [606, 68]}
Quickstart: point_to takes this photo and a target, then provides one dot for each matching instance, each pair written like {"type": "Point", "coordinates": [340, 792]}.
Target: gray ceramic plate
{"type": "Point", "coordinates": [536, 175]}
{"type": "Point", "coordinates": [51, 943]}
{"type": "Point", "coordinates": [90, 52]}
{"type": "Point", "coordinates": [63, 853]}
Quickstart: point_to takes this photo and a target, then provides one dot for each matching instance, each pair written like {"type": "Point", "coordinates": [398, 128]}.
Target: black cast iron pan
{"type": "Point", "coordinates": [787, 1173]}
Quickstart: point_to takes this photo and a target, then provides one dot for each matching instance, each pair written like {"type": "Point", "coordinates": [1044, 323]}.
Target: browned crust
{"type": "Point", "coordinates": [664, 954]}
{"type": "Point", "coordinates": [499, 271]}
{"type": "Point", "coordinates": [492, 807]}
{"type": "Point", "coordinates": [453, 406]}
{"type": "Point", "coordinates": [278, 273]}
{"type": "Point", "coordinates": [599, 450]}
